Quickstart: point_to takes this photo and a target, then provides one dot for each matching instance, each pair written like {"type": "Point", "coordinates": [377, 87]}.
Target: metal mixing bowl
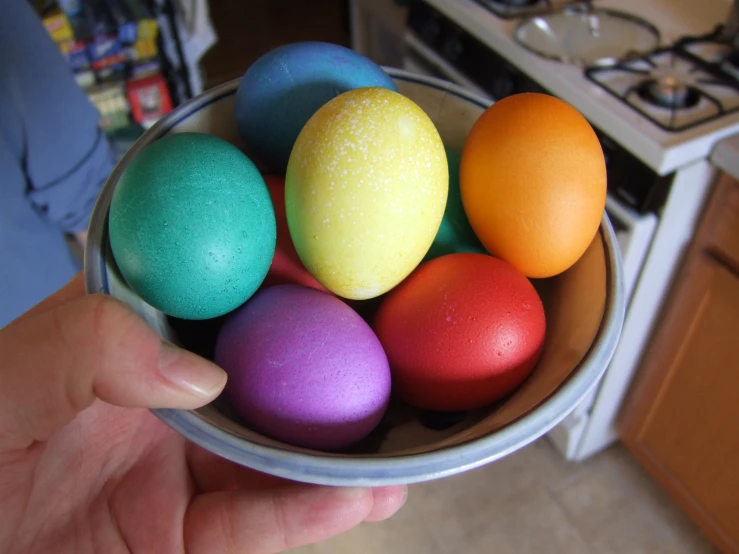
{"type": "Point", "coordinates": [584, 309]}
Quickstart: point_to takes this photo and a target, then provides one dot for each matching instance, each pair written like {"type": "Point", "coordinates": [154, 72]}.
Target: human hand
{"type": "Point", "coordinates": [85, 467]}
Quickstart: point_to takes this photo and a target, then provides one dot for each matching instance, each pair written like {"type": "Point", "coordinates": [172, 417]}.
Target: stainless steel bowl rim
{"type": "Point", "coordinates": [377, 471]}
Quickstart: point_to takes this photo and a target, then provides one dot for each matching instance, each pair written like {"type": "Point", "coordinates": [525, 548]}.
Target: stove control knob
{"type": "Point", "coordinates": [430, 31]}
{"type": "Point", "coordinates": [452, 48]}
{"type": "Point", "coordinates": [502, 86]}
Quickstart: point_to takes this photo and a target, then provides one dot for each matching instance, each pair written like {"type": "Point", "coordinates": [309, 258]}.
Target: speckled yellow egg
{"type": "Point", "coordinates": [365, 191]}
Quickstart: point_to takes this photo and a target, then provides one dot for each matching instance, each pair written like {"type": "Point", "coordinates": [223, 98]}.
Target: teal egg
{"type": "Point", "coordinates": [455, 233]}
{"type": "Point", "coordinates": [191, 226]}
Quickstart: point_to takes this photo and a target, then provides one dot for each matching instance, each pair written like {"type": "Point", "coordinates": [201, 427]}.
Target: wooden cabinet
{"type": "Point", "coordinates": [681, 420]}
{"type": "Point", "coordinates": [247, 30]}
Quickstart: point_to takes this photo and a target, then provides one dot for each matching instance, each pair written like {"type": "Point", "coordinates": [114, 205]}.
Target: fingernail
{"type": "Point", "coordinates": [190, 372]}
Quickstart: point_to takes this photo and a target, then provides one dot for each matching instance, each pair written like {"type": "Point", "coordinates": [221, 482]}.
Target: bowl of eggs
{"type": "Point", "coordinates": [402, 280]}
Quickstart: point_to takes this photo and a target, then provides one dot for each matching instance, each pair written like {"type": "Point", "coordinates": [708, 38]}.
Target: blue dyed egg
{"type": "Point", "coordinates": [285, 87]}
{"type": "Point", "coordinates": [191, 226]}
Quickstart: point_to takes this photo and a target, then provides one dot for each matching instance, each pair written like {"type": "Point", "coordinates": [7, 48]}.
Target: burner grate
{"type": "Point", "coordinates": [673, 90]}
{"type": "Point", "coordinates": [714, 50]}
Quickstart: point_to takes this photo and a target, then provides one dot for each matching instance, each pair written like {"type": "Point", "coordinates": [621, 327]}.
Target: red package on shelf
{"type": "Point", "coordinates": [149, 98]}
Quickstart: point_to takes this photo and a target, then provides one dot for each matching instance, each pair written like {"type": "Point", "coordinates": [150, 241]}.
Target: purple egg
{"type": "Point", "coordinates": [304, 368]}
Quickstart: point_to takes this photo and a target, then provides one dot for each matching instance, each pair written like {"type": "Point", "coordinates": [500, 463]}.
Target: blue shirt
{"type": "Point", "coordinates": [53, 161]}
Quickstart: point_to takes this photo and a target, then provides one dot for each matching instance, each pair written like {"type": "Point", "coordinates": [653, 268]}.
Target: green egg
{"type": "Point", "coordinates": [455, 233]}
{"type": "Point", "coordinates": [192, 226]}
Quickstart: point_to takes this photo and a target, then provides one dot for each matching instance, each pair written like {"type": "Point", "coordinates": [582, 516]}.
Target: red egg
{"type": "Point", "coordinates": [286, 268]}
{"type": "Point", "coordinates": [462, 331]}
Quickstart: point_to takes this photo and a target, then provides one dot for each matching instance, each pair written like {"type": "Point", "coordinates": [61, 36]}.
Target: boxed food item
{"type": "Point", "coordinates": [58, 26]}
{"type": "Point", "coordinates": [111, 101]}
{"type": "Point", "coordinates": [113, 50]}
{"type": "Point", "coordinates": [149, 98]}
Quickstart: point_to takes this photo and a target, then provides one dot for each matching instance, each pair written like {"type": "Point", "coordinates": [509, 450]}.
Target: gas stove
{"type": "Point", "coordinates": [679, 87]}
{"type": "Point", "coordinates": [486, 51]}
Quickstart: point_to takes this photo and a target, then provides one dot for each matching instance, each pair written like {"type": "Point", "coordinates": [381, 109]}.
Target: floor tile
{"type": "Point", "coordinates": [491, 540]}
{"type": "Point", "coordinates": [618, 508]}
{"type": "Point", "coordinates": [532, 502]}
{"type": "Point", "coordinates": [592, 498]}
{"type": "Point", "coordinates": [538, 524]}
{"type": "Point", "coordinates": [405, 533]}
{"type": "Point", "coordinates": [637, 529]}
{"type": "Point", "coordinates": [463, 505]}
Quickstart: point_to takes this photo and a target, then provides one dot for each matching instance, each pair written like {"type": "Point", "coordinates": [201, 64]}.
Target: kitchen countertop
{"type": "Point", "coordinates": [726, 156]}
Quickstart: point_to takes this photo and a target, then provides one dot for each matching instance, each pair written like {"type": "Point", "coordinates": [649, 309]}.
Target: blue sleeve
{"type": "Point", "coordinates": [65, 155]}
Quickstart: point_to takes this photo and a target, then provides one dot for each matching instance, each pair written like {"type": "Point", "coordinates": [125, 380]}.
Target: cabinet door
{"type": "Point", "coordinates": [682, 421]}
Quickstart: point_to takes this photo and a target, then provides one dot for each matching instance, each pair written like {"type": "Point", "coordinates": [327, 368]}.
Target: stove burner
{"type": "Point", "coordinates": [677, 87]}
{"type": "Point", "coordinates": [669, 92]}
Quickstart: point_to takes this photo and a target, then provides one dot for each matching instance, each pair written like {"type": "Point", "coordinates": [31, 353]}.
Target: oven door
{"type": "Point", "coordinates": [634, 232]}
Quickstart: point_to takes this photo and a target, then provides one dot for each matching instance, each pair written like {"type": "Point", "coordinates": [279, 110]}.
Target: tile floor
{"type": "Point", "coordinates": [532, 502]}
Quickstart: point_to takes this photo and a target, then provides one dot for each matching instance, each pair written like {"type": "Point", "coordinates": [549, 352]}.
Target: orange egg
{"type": "Point", "coordinates": [533, 183]}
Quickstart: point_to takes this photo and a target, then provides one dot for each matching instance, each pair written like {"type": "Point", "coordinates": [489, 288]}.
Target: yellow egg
{"type": "Point", "coordinates": [365, 191]}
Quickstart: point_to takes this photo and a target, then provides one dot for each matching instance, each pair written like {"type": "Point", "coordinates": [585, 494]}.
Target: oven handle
{"type": "Point", "coordinates": [634, 233]}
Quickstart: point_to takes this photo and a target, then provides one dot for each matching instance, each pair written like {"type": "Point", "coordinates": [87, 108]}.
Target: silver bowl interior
{"type": "Point", "coordinates": [584, 309]}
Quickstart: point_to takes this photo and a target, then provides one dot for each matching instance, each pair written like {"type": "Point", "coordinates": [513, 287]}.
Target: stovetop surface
{"type": "Point", "coordinates": [677, 87]}
{"type": "Point", "coordinates": [713, 49]}
{"type": "Point", "coordinates": [642, 131]}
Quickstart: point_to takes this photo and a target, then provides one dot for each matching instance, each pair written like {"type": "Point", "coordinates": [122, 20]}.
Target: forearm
{"type": "Point", "coordinates": [53, 126]}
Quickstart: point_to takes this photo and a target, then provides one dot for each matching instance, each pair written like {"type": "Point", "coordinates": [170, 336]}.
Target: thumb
{"type": "Point", "coordinates": [72, 348]}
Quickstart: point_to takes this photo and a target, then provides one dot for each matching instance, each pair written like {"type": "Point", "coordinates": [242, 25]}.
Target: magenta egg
{"type": "Point", "coordinates": [304, 368]}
